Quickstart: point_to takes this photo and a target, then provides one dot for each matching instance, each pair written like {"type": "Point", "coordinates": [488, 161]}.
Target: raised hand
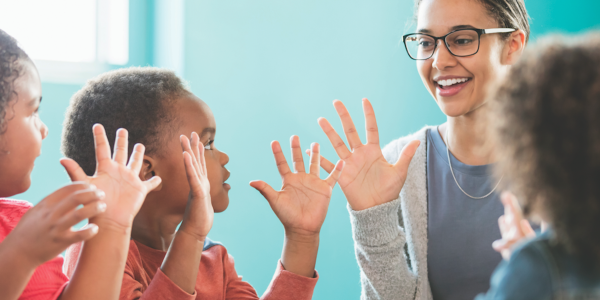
{"type": "Point", "coordinates": [199, 213]}
{"type": "Point", "coordinates": [301, 204]}
{"type": "Point", "coordinates": [514, 228]}
{"type": "Point", "coordinates": [368, 179]}
{"type": "Point", "coordinates": [120, 181]}
{"type": "Point", "coordinates": [46, 229]}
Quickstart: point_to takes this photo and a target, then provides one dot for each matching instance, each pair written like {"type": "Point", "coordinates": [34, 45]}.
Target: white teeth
{"type": "Point", "coordinates": [448, 82]}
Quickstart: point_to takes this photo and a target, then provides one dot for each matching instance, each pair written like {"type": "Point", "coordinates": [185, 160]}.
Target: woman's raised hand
{"type": "Point", "coordinates": [368, 179]}
{"type": "Point", "coordinates": [199, 213]}
{"type": "Point", "coordinates": [120, 180]}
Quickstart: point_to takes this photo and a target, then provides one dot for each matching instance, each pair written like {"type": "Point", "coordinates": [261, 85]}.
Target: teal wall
{"type": "Point", "coordinates": [269, 69]}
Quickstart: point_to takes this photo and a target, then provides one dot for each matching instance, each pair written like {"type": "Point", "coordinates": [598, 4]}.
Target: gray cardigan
{"type": "Point", "coordinates": [390, 239]}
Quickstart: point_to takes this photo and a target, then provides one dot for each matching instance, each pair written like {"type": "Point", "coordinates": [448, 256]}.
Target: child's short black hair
{"type": "Point", "coordinates": [546, 120]}
{"type": "Point", "coordinates": [138, 99]}
{"type": "Point", "coordinates": [10, 70]}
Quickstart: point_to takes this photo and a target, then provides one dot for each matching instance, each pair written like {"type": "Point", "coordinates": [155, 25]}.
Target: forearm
{"type": "Point", "coordinates": [99, 271]}
{"type": "Point", "coordinates": [300, 253]}
{"type": "Point", "coordinates": [15, 271]}
{"type": "Point", "coordinates": [182, 261]}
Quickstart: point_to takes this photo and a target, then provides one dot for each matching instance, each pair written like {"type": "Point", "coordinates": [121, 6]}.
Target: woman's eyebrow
{"type": "Point", "coordinates": [457, 27]}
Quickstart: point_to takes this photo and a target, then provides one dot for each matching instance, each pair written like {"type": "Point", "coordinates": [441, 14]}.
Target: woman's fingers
{"type": "Point", "coordinates": [102, 146]}
{"type": "Point", "coordinates": [324, 162]}
{"type": "Point", "coordinates": [75, 172]}
{"type": "Point", "coordinates": [315, 162]}
{"type": "Point", "coordinates": [336, 141]}
{"type": "Point", "coordinates": [85, 233]}
{"type": "Point", "coordinates": [282, 164]}
{"type": "Point", "coordinates": [370, 123]}
{"type": "Point", "coordinates": [406, 156]}
{"type": "Point", "coordinates": [121, 143]}
{"type": "Point", "coordinates": [335, 175]}
{"type": "Point", "coordinates": [266, 190]}
{"type": "Point", "coordinates": [298, 161]}
{"type": "Point", "coordinates": [137, 158]}
{"type": "Point", "coordinates": [349, 128]}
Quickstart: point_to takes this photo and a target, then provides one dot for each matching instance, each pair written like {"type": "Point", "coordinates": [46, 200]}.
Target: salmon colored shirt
{"type": "Point", "coordinates": [217, 278]}
{"type": "Point", "coordinates": [48, 280]}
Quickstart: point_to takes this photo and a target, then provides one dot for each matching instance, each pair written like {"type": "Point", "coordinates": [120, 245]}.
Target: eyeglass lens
{"type": "Point", "coordinates": [460, 43]}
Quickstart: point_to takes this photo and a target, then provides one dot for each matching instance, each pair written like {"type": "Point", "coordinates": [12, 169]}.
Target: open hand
{"type": "Point", "coordinates": [125, 191]}
{"type": "Point", "coordinates": [301, 204]}
{"type": "Point", "coordinates": [514, 228]}
{"type": "Point", "coordinates": [199, 213]}
{"type": "Point", "coordinates": [368, 179]}
{"type": "Point", "coordinates": [45, 230]}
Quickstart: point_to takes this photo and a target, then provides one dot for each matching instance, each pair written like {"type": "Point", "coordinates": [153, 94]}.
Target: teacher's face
{"type": "Point", "coordinates": [481, 71]}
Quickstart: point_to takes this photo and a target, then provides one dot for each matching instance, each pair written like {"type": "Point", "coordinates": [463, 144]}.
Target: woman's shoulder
{"type": "Point", "coordinates": [392, 150]}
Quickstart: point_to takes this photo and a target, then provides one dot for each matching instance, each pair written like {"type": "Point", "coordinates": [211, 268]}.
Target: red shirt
{"type": "Point", "coordinates": [217, 278]}
{"type": "Point", "coordinates": [48, 280]}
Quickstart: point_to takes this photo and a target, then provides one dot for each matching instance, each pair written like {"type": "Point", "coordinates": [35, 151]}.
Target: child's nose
{"type": "Point", "coordinates": [224, 158]}
{"type": "Point", "coordinates": [44, 130]}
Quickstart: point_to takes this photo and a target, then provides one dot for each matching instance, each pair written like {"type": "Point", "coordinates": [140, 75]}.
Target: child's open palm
{"type": "Point", "coordinates": [301, 204]}
{"type": "Point", "coordinates": [120, 181]}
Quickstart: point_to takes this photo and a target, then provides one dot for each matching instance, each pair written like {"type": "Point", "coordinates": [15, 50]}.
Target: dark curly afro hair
{"type": "Point", "coordinates": [10, 69]}
{"type": "Point", "coordinates": [546, 121]}
{"type": "Point", "coordinates": [138, 99]}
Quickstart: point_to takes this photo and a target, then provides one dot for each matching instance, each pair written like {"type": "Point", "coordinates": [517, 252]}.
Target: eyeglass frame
{"type": "Point", "coordinates": [443, 38]}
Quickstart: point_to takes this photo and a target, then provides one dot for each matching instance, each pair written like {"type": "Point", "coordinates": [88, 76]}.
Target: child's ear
{"type": "Point", "coordinates": [148, 171]}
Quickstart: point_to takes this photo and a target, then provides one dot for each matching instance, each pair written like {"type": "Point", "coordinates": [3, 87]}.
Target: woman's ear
{"type": "Point", "coordinates": [514, 46]}
{"type": "Point", "coordinates": [149, 170]}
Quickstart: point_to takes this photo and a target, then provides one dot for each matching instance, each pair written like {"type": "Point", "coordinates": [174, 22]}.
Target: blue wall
{"type": "Point", "coordinates": [269, 69]}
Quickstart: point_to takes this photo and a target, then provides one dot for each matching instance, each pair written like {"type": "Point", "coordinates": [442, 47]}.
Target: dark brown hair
{"type": "Point", "coordinates": [545, 120]}
{"type": "Point", "coordinates": [508, 14]}
{"type": "Point", "coordinates": [10, 70]}
{"type": "Point", "coordinates": [138, 99]}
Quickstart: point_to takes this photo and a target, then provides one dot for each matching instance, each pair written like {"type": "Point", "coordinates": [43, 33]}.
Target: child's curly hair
{"type": "Point", "coordinates": [546, 125]}
{"type": "Point", "coordinates": [10, 70]}
{"type": "Point", "coordinates": [137, 99]}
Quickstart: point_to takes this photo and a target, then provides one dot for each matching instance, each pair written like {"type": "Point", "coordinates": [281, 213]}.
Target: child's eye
{"type": "Point", "coordinates": [208, 145]}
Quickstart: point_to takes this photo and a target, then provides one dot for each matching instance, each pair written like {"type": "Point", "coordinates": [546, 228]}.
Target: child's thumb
{"type": "Point", "coordinates": [75, 172]}
{"type": "Point", "coordinates": [266, 190]}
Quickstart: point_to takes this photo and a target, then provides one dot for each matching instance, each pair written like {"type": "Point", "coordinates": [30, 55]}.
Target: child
{"type": "Point", "coordinates": [169, 263]}
{"type": "Point", "coordinates": [31, 238]}
{"type": "Point", "coordinates": [547, 122]}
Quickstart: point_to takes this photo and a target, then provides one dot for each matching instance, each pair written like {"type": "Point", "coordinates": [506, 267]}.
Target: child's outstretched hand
{"type": "Point", "coordinates": [45, 230]}
{"type": "Point", "coordinates": [301, 204]}
{"type": "Point", "coordinates": [199, 213]}
{"type": "Point", "coordinates": [120, 181]}
{"type": "Point", "coordinates": [514, 228]}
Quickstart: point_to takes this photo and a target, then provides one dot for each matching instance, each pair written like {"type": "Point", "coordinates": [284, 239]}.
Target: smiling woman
{"type": "Point", "coordinates": [424, 226]}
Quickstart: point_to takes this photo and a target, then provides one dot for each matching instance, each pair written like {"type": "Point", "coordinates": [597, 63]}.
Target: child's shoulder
{"type": "Point", "coordinates": [11, 211]}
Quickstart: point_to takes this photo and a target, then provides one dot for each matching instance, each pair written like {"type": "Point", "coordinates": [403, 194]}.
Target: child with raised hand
{"type": "Point", "coordinates": [31, 238]}
{"type": "Point", "coordinates": [169, 263]}
{"type": "Point", "coordinates": [546, 122]}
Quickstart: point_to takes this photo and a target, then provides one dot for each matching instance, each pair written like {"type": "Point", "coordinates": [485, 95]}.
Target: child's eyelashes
{"type": "Point", "coordinates": [208, 145]}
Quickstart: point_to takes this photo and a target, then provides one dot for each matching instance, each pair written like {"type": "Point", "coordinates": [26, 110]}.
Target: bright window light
{"type": "Point", "coordinates": [78, 31]}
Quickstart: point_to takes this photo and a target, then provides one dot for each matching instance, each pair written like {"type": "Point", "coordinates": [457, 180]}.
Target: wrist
{"type": "Point", "coordinates": [190, 232]}
{"type": "Point", "coordinates": [302, 237]}
{"type": "Point", "coordinates": [17, 256]}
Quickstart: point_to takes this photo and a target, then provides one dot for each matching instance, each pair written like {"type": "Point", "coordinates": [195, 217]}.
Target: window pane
{"type": "Point", "coordinates": [59, 30]}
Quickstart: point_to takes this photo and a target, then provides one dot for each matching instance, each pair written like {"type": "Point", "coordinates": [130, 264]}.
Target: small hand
{"type": "Point", "coordinates": [46, 229]}
{"type": "Point", "coordinates": [514, 228]}
{"type": "Point", "coordinates": [199, 213]}
{"type": "Point", "coordinates": [125, 191]}
{"type": "Point", "coordinates": [368, 179]}
{"type": "Point", "coordinates": [302, 203]}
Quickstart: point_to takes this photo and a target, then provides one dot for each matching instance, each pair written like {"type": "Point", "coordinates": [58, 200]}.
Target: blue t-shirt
{"type": "Point", "coordinates": [460, 229]}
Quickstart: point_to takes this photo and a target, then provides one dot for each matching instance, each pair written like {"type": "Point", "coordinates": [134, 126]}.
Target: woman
{"type": "Point", "coordinates": [423, 229]}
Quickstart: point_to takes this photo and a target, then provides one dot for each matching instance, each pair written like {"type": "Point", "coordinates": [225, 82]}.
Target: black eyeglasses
{"type": "Point", "coordinates": [462, 42]}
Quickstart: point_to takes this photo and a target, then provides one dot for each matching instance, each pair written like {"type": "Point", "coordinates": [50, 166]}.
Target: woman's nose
{"type": "Point", "coordinates": [442, 58]}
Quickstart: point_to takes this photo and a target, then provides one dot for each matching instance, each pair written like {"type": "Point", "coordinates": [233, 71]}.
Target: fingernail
{"type": "Point", "coordinates": [92, 187]}
{"type": "Point", "coordinates": [100, 194]}
{"type": "Point", "coordinates": [102, 206]}
{"type": "Point", "coordinates": [93, 227]}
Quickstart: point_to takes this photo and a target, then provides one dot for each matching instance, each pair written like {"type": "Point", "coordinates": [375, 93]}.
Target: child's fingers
{"type": "Point", "coordinates": [502, 225]}
{"type": "Point", "coordinates": [298, 161]}
{"type": "Point", "coordinates": [282, 164]}
{"type": "Point", "coordinates": [137, 158]}
{"type": "Point", "coordinates": [73, 200]}
{"type": "Point", "coordinates": [335, 175]}
{"type": "Point", "coordinates": [266, 190]}
{"type": "Point", "coordinates": [324, 162]}
{"type": "Point", "coordinates": [101, 145]}
{"type": "Point", "coordinates": [65, 191]}
{"type": "Point", "coordinates": [85, 233]}
{"type": "Point", "coordinates": [315, 164]}
{"type": "Point", "coordinates": [186, 145]}
{"type": "Point", "coordinates": [75, 172]}
{"type": "Point", "coordinates": [202, 159]}
{"type": "Point", "coordinates": [526, 229]}
{"type": "Point", "coordinates": [191, 173]}
{"type": "Point", "coordinates": [88, 211]}
{"type": "Point", "coordinates": [121, 143]}
{"type": "Point", "coordinates": [152, 183]}
{"type": "Point", "coordinates": [196, 146]}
